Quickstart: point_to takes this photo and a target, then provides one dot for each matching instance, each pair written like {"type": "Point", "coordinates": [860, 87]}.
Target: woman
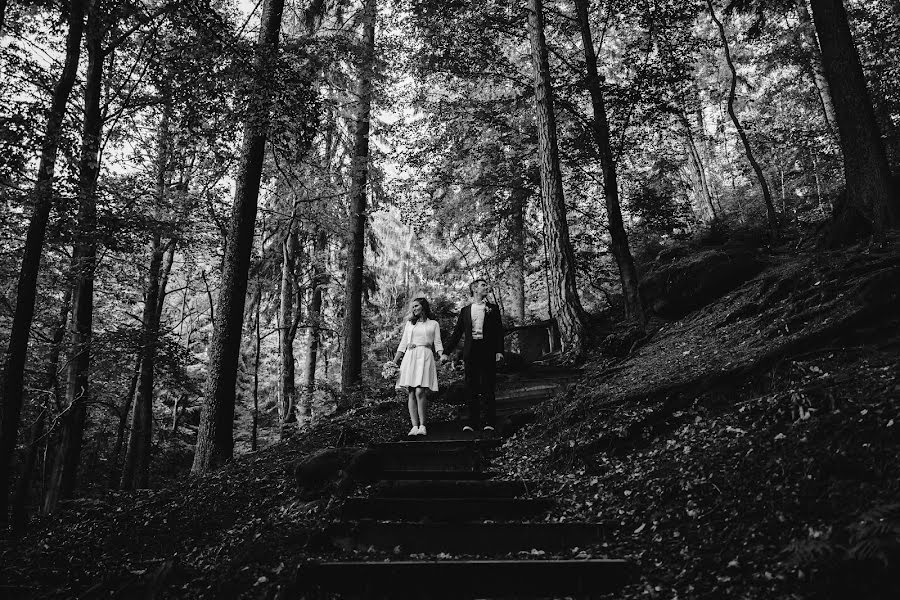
{"type": "Point", "coordinates": [418, 369]}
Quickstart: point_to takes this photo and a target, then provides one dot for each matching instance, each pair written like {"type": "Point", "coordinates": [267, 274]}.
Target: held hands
{"type": "Point", "coordinates": [444, 358]}
{"type": "Point", "coordinates": [499, 357]}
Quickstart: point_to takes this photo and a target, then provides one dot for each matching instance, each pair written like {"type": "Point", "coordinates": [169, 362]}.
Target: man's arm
{"type": "Point", "coordinates": [458, 330]}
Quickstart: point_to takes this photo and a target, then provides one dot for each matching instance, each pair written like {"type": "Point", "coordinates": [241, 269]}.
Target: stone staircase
{"type": "Point", "coordinates": [440, 525]}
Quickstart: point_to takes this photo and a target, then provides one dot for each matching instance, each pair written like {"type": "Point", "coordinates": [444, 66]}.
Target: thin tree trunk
{"type": "Point", "coordinates": [314, 316]}
{"type": "Point", "coordinates": [351, 365]}
{"type": "Point", "coordinates": [68, 457]}
{"type": "Point", "coordinates": [254, 444]}
{"type": "Point", "coordinates": [564, 294]}
{"type": "Point", "coordinates": [288, 395]}
{"type": "Point", "coordinates": [215, 436]}
{"type": "Point", "coordinates": [870, 196]}
{"type": "Point", "coordinates": [699, 167]}
{"type": "Point", "coordinates": [11, 395]}
{"type": "Point", "coordinates": [115, 473]}
{"type": "Point", "coordinates": [808, 31]}
{"type": "Point", "coordinates": [760, 176]}
{"type": "Point", "coordinates": [634, 303]}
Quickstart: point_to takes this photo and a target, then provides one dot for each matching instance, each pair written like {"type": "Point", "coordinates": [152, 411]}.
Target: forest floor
{"type": "Point", "coordinates": [747, 450]}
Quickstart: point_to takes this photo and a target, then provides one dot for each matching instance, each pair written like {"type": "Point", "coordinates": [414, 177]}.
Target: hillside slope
{"type": "Point", "coordinates": [747, 450]}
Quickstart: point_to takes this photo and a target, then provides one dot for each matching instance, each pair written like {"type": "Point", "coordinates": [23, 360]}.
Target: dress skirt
{"type": "Point", "coordinates": [418, 369]}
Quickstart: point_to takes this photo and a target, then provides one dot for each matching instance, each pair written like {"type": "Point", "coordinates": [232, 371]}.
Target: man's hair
{"type": "Point", "coordinates": [472, 285]}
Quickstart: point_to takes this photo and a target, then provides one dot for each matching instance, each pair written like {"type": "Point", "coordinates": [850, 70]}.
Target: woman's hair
{"type": "Point", "coordinates": [426, 310]}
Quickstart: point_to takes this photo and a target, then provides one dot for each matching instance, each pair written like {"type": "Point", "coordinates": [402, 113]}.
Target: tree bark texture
{"type": "Point", "coordinates": [215, 436]}
{"type": "Point", "coordinates": [699, 168]}
{"type": "Point", "coordinates": [288, 395]}
{"type": "Point", "coordinates": [314, 316]}
{"type": "Point", "coordinates": [869, 191]}
{"type": "Point", "coordinates": [65, 467]}
{"type": "Point", "coordinates": [565, 302]}
{"type": "Point", "coordinates": [628, 277]}
{"type": "Point", "coordinates": [817, 70]}
{"type": "Point", "coordinates": [351, 364]}
{"type": "Point", "coordinates": [748, 150]}
{"type": "Point", "coordinates": [11, 398]}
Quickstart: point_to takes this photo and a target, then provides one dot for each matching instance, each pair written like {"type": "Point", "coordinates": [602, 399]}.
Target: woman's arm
{"type": "Point", "coordinates": [438, 345]}
{"type": "Point", "coordinates": [404, 342]}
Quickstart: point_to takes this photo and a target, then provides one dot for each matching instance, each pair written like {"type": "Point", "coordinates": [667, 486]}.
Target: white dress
{"type": "Point", "coordinates": [419, 344]}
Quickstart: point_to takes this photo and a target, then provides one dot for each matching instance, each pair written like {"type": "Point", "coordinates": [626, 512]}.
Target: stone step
{"type": "Point", "coordinates": [448, 474]}
{"type": "Point", "coordinates": [443, 509]}
{"type": "Point", "coordinates": [435, 455]}
{"type": "Point", "coordinates": [465, 538]}
{"type": "Point", "coordinates": [462, 579]}
{"type": "Point", "coordinates": [521, 393]}
{"type": "Point", "coordinates": [453, 489]}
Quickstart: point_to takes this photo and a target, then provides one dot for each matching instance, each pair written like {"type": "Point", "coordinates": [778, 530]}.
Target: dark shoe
{"type": "Point", "coordinates": [488, 432]}
{"type": "Point", "coordinates": [468, 429]}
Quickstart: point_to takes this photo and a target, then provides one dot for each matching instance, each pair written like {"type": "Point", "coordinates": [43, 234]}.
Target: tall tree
{"type": "Point", "coordinates": [566, 304]}
{"type": "Point", "coordinates": [314, 319]}
{"type": "Point", "coordinates": [11, 399]}
{"type": "Point", "coordinates": [351, 365]}
{"type": "Point", "coordinates": [634, 304]}
{"type": "Point", "coordinates": [289, 321]}
{"type": "Point", "coordinates": [871, 203]}
{"type": "Point", "coordinates": [136, 470]}
{"type": "Point", "coordinates": [84, 259]}
{"type": "Point", "coordinates": [748, 150]}
{"type": "Point", "coordinates": [215, 436]}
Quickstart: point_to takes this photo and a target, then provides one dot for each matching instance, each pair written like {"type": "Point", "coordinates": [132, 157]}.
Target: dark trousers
{"type": "Point", "coordinates": [481, 374]}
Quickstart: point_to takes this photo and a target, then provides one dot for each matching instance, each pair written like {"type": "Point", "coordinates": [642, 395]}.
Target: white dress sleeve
{"type": "Point", "coordinates": [438, 344]}
{"type": "Point", "coordinates": [404, 339]}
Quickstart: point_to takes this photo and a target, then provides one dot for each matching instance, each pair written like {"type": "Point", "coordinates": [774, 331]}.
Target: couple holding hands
{"type": "Point", "coordinates": [480, 328]}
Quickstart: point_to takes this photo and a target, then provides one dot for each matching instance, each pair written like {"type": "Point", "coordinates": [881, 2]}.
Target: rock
{"type": "Point", "coordinates": [675, 287]}
{"type": "Point", "coordinates": [335, 470]}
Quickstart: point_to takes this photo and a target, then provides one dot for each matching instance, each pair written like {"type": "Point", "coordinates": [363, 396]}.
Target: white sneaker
{"type": "Point", "coordinates": [421, 430]}
{"type": "Point", "coordinates": [414, 430]}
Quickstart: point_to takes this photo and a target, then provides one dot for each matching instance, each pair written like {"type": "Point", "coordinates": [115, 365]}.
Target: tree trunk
{"type": "Point", "coordinates": [808, 31]}
{"type": "Point", "coordinates": [519, 198]}
{"type": "Point", "coordinates": [11, 399]}
{"type": "Point", "coordinates": [254, 443]}
{"type": "Point", "coordinates": [314, 316]}
{"type": "Point", "coordinates": [634, 303]}
{"type": "Point", "coordinates": [136, 471]}
{"type": "Point", "coordinates": [351, 365]}
{"type": "Point", "coordinates": [65, 467]}
{"type": "Point", "coordinates": [566, 304]}
{"type": "Point", "coordinates": [23, 488]}
{"type": "Point", "coordinates": [871, 203]}
{"type": "Point", "coordinates": [697, 161]}
{"type": "Point", "coordinates": [767, 195]}
{"type": "Point", "coordinates": [288, 395]}
{"type": "Point", "coordinates": [115, 473]}
{"type": "Point", "coordinates": [215, 436]}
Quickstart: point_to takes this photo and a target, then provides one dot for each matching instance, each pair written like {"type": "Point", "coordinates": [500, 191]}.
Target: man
{"type": "Point", "coordinates": [480, 326]}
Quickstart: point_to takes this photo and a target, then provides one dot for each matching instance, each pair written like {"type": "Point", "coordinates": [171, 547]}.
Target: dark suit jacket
{"type": "Point", "coordinates": [492, 330]}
